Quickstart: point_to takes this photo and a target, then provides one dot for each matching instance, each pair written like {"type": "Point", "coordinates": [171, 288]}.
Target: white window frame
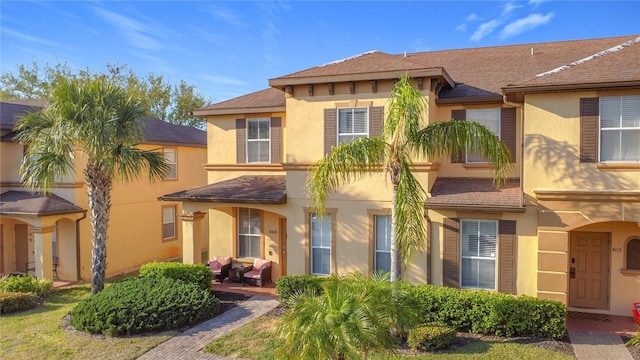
{"type": "Point", "coordinates": [313, 218]}
{"type": "Point", "coordinates": [387, 235]}
{"type": "Point", "coordinates": [268, 140]}
{"type": "Point", "coordinates": [165, 221]}
{"type": "Point", "coordinates": [173, 164]}
{"type": "Point", "coordinates": [493, 258]}
{"type": "Point", "coordinates": [254, 235]}
{"type": "Point", "coordinates": [621, 129]}
{"type": "Point", "coordinates": [352, 110]}
{"type": "Point", "coordinates": [470, 117]}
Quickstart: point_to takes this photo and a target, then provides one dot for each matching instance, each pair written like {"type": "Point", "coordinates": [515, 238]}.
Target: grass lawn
{"type": "Point", "coordinates": [257, 340]}
{"type": "Point", "coordinates": [37, 334]}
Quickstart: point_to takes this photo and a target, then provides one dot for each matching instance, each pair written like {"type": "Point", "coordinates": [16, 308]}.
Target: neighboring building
{"type": "Point", "coordinates": [37, 230]}
{"type": "Point", "coordinates": [565, 227]}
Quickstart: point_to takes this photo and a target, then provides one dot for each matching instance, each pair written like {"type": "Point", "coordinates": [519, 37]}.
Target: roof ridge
{"type": "Point", "coordinates": [591, 57]}
{"type": "Point", "coordinates": [351, 57]}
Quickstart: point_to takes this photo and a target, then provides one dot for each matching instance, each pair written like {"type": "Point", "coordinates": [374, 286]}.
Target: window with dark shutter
{"type": "Point", "coordinates": [451, 256]}
{"type": "Point", "coordinates": [241, 141]}
{"type": "Point", "coordinates": [508, 130]}
{"type": "Point", "coordinates": [507, 257]}
{"type": "Point", "coordinates": [330, 129]}
{"type": "Point", "coordinates": [276, 140]}
{"type": "Point", "coordinates": [376, 114]}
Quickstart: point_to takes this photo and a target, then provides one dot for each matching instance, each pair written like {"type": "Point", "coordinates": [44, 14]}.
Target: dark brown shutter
{"type": "Point", "coordinates": [241, 141]}
{"type": "Point", "coordinates": [507, 256]}
{"type": "Point", "coordinates": [330, 129]}
{"type": "Point", "coordinates": [276, 126]}
{"type": "Point", "coordinates": [508, 130]}
{"type": "Point", "coordinates": [428, 251]}
{"type": "Point", "coordinates": [376, 114]}
{"type": "Point", "coordinates": [458, 115]}
{"type": "Point", "coordinates": [451, 257]}
{"type": "Point", "coordinates": [589, 112]}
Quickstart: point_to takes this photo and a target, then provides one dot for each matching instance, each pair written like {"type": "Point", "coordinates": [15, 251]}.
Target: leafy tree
{"type": "Point", "coordinates": [351, 318]}
{"type": "Point", "coordinates": [403, 138]}
{"type": "Point", "coordinates": [171, 103]}
{"type": "Point", "coordinates": [95, 119]}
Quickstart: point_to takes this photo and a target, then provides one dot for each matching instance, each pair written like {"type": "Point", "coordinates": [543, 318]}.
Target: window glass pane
{"type": "Point", "coordinates": [383, 233]}
{"type": "Point", "coordinates": [630, 145]}
{"type": "Point", "coordinates": [610, 145]}
{"type": "Point", "coordinates": [633, 254]}
{"type": "Point", "coordinates": [469, 238]}
{"type": "Point", "coordinates": [321, 230]}
{"type": "Point", "coordinates": [345, 121]}
{"type": "Point", "coordinates": [168, 215]}
{"type": "Point", "coordinates": [478, 253]}
{"type": "Point", "coordinates": [487, 239]}
{"type": "Point", "coordinates": [168, 231]}
{"type": "Point", "coordinates": [383, 262]}
{"type": "Point", "coordinates": [320, 258]}
{"type": "Point", "coordinates": [54, 243]}
{"type": "Point", "coordinates": [360, 120]}
{"type": "Point", "coordinates": [263, 126]}
{"type": "Point", "coordinates": [264, 151]}
{"type": "Point", "coordinates": [487, 274]}
{"type": "Point", "coordinates": [248, 246]}
{"type": "Point", "coordinates": [469, 272]}
{"type": "Point", "coordinates": [252, 129]}
{"type": "Point", "coordinates": [610, 112]}
{"type": "Point", "coordinates": [630, 111]}
{"type": "Point", "coordinates": [168, 222]}
{"type": "Point", "coordinates": [490, 118]}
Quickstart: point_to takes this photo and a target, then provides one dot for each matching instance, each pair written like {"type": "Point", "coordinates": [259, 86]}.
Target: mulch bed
{"type": "Point", "coordinates": [229, 300]}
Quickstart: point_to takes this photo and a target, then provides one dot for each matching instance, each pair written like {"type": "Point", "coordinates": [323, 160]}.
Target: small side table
{"type": "Point", "coordinates": [237, 274]}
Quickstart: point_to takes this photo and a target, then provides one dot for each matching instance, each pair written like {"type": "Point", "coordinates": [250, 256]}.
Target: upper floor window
{"type": "Point", "coordinates": [620, 128]}
{"type": "Point", "coordinates": [170, 156]}
{"type": "Point", "coordinates": [490, 118]}
{"type": "Point", "coordinates": [382, 258]}
{"type": "Point", "coordinates": [258, 140]}
{"type": "Point", "coordinates": [353, 123]}
{"type": "Point", "coordinates": [249, 230]}
{"type": "Point", "coordinates": [478, 247]}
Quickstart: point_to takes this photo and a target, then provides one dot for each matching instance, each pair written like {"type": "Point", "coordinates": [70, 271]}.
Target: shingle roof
{"type": "Point", "coordinates": [156, 130]}
{"type": "Point", "coordinates": [448, 192]}
{"type": "Point", "coordinates": [267, 189]}
{"type": "Point", "coordinates": [270, 97]}
{"type": "Point", "coordinates": [27, 203]}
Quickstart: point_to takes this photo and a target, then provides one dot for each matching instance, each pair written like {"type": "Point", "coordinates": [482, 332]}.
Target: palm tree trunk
{"type": "Point", "coordinates": [99, 194]}
{"type": "Point", "coordinates": [396, 264]}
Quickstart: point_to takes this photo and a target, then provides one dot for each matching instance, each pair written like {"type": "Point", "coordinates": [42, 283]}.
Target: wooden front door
{"type": "Point", "coordinates": [589, 270]}
{"type": "Point", "coordinates": [22, 246]}
{"type": "Point", "coordinates": [283, 247]}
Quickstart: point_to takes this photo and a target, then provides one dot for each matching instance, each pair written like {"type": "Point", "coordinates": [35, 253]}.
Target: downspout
{"type": "Point", "coordinates": [520, 107]}
{"type": "Point", "coordinates": [78, 267]}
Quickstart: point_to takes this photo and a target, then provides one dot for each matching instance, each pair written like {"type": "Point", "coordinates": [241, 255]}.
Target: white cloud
{"type": "Point", "coordinates": [509, 8]}
{"type": "Point", "coordinates": [228, 17]}
{"type": "Point", "coordinates": [484, 29]}
{"type": "Point", "coordinates": [28, 38]}
{"type": "Point", "coordinates": [462, 27]}
{"type": "Point", "coordinates": [470, 18]}
{"type": "Point", "coordinates": [140, 35]}
{"type": "Point", "coordinates": [419, 45]}
{"type": "Point", "coordinates": [219, 79]}
{"type": "Point", "coordinates": [525, 24]}
{"type": "Point", "coordinates": [537, 2]}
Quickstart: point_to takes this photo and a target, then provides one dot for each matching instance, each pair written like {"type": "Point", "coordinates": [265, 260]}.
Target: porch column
{"type": "Point", "coordinates": [553, 260]}
{"type": "Point", "coordinates": [191, 237]}
{"type": "Point", "coordinates": [42, 247]}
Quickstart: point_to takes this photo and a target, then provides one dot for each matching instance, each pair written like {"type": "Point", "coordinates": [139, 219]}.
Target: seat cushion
{"type": "Point", "coordinates": [215, 265]}
{"type": "Point", "coordinates": [253, 274]}
{"type": "Point", "coordinates": [223, 260]}
{"type": "Point", "coordinates": [261, 264]}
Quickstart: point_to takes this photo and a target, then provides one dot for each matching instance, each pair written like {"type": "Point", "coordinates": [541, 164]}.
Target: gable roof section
{"type": "Point", "coordinates": [28, 203]}
{"type": "Point", "coordinates": [164, 133]}
{"type": "Point", "coordinates": [267, 100]}
{"type": "Point", "coordinates": [247, 189]}
{"type": "Point", "coordinates": [11, 111]}
{"type": "Point", "coordinates": [475, 194]}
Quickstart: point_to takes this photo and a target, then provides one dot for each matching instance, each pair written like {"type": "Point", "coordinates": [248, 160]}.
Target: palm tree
{"type": "Point", "coordinates": [94, 119]}
{"type": "Point", "coordinates": [403, 138]}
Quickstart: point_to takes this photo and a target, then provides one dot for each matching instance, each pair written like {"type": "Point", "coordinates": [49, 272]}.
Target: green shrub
{"type": "Point", "coordinates": [26, 284]}
{"type": "Point", "coordinates": [288, 286]}
{"type": "Point", "coordinates": [17, 301]}
{"type": "Point", "coordinates": [198, 274]}
{"type": "Point", "coordinates": [489, 313]}
{"type": "Point", "coordinates": [144, 304]}
{"type": "Point", "coordinates": [431, 337]}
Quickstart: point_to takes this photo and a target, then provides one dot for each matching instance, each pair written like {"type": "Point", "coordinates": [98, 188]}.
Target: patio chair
{"type": "Point", "coordinates": [220, 266]}
{"type": "Point", "coordinates": [259, 274]}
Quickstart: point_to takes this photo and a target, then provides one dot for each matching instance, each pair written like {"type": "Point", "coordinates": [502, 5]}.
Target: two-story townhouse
{"type": "Point", "coordinates": [49, 235]}
{"type": "Point", "coordinates": [518, 239]}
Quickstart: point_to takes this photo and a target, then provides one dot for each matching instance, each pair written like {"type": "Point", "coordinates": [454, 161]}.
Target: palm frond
{"type": "Point", "coordinates": [346, 163]}
{"type": "Point", "coordinates": [452, 137]}
{"type": "Point", "coordinates": [409, 214]}
{"type": "Point", "coordinates": [406, 109]}
{"type": "Point", "coordinates": [129, 162]}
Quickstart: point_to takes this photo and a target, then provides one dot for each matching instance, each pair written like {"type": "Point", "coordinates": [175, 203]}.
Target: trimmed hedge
{"type": "Point", "coordinates": [431, 337]}
{"type": "Point", "coordinates": [17, 301]}
{"type": "Point", "coordinates": [144, 304]}
{"type": "Point", "coordinates": [290, 285]}
{"type": "Point", "coordinates": [198, 274]}
{"type": "Point", "coordinates": [26, 284]}
{"type": "Point", "coordinates": [489, 313]}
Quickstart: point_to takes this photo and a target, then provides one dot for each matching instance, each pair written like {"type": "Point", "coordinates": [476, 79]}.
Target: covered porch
{"type": "Point", "coordinates": [246, 221]}
{"type": "Point", "coordinates": [39, 235]}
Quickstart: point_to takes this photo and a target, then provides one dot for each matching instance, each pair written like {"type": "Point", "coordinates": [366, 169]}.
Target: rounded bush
{"type": "Point", "coordinates": [431, 337]}
{"type": "Point", "coordinates": [17, 301]}
{"type": "Point", "coordinates": [198, 274]}
{"type": "Point", "coordinates": [290, 285]}
{"type": "Point", "coordinates": [26, 284]}
{"type": "Point", "coordinates": [144, 304]}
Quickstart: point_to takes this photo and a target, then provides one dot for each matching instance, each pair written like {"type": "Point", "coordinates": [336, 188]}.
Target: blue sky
{"type": "Point", "coordinates": [227, 49]}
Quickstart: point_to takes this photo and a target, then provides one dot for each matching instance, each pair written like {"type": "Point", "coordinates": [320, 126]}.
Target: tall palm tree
{"type": "Point", "coordinates": [93, 119]}
{"type": "Point", "coordinates": [404, 137]}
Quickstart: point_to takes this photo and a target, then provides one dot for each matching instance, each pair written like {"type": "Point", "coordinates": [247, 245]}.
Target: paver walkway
{"type": "Point", "coordinates": [188, 345]}
{"type": "Point", "coordinates": [589, 345]}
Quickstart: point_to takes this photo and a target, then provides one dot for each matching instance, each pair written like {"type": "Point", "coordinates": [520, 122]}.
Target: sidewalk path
{"type": "Point", "coordinates": [589, 345]}
{"type": "Point", "coordinates": [188, 345]}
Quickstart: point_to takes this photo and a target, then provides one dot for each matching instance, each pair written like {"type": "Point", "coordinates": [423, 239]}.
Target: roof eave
{"type": "Point", "coordinates": [437, 72]}
{"type": "Point", "coordinates": [477, 208]}
{"type": "Point", "coordinates": [528, 89]}
{"type": "Point", "coordinates": [281, 201]}
{"type": "Point", "coordinates": [202, 113]}
{"type": "Point", "coordinates": [468, 100]}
